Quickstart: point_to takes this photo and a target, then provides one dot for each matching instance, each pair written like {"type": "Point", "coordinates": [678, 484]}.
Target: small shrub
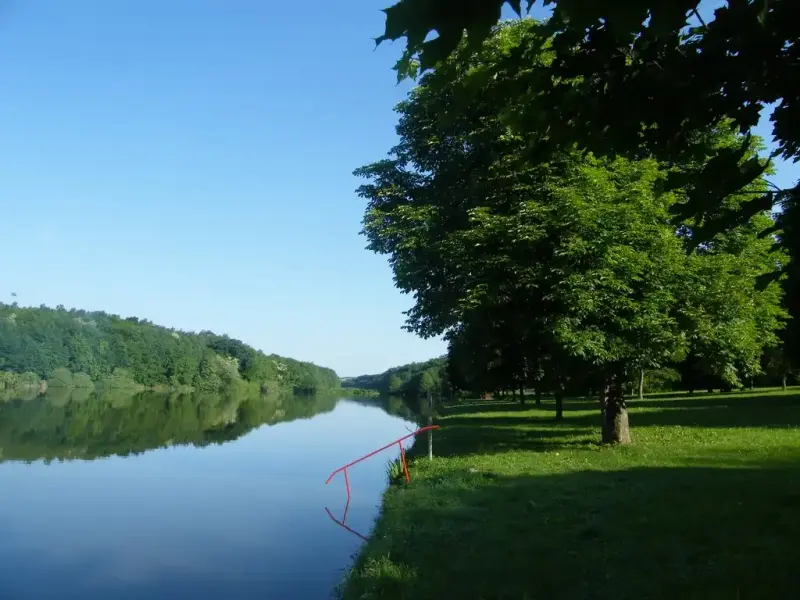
{"type": "Point", "coordinates": [8, 380]}
{"type": "Point", "coordinates": [394, 472]}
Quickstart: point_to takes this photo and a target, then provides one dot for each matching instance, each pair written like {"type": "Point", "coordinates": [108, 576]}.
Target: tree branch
{"type": "Point", "coordinates": [699, 18]}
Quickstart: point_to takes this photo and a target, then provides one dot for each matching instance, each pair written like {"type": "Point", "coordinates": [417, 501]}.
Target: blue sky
{"type": "Point", "coordinates": [190, 163]}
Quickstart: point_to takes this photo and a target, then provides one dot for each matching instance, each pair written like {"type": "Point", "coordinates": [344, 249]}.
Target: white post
{"type": "Point", "coordinates": [430, 422]}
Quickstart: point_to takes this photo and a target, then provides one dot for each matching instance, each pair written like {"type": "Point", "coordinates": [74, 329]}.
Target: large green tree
{"type": "Point", "coordinates": [546, 263]}
{"type": "Point", "coordinates": [642, 78]}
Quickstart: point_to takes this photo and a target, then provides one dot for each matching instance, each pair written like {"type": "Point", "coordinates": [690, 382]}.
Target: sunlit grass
{"type": "Point", "coordinates": [704, 504]}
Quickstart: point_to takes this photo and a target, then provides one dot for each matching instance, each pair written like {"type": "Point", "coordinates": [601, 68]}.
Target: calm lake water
{"type": "Point", "coordinates": [155, 497]}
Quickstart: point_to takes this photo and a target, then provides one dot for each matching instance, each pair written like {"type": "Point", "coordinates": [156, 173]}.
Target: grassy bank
{"type": "Point", "coordinates": [704, 504]}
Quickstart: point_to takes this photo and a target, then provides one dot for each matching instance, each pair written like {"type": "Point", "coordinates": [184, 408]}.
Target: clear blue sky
{"type": "Point", "coordinates": [189, 162]}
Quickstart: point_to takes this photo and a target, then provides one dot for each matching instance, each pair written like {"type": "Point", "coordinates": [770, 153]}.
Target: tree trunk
{"type": "Point", "coordinates": [559, 395]}
{"type": "Point", "coordinates": [783, 382]}
{"type": "Point", "coordinates": [615, 418]}
{"type": "Point", "coordinates": [522, 396]}
{"type": "Point", "coordinates": [538, 396]}
{"type": "Point", "coordinates": [711, 390]}
{"type": "Point", "coordinates": [641, 384]}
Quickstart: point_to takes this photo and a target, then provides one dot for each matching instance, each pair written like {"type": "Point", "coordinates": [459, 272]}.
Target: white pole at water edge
{"type": "Point", "coordinates": [430, 422]}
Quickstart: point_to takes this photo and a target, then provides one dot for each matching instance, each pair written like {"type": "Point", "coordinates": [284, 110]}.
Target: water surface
{"type": "Point", "coordinates": [183, 497]}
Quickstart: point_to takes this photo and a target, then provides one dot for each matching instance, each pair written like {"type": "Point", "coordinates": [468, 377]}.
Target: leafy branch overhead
{"type": "Point", "coordinates": [637, 78]}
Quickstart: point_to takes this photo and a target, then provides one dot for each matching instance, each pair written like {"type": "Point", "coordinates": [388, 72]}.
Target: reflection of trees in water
{"type": "Point", "coordinates": [397, 406]}
{"type": "Point", "coordinates": [79, 423]}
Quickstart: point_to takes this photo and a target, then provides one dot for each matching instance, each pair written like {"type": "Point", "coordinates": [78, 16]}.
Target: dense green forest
{"type": "Point", "coordinates": [80, 349]}
{"type": "Point", "coordinates": [572, 268]}
{"type": "Point", "coordinates": [412, 379]}
{"type": "Point", "coordinates": [66, 424]}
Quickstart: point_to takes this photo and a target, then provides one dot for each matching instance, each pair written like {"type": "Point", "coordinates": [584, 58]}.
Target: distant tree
{"type": "Point", "coordinates": [429, 382]}
{"type": "Point", "coordinates": [82, 380]}
{"type": "Point", "coordinates": [396, 383]}
{"type": "Point", "coordinates": [120, 379]}
{"type": "Point", "coordinates": [61, 377]}
{"type": "Point", "coordinates": [780, 365]}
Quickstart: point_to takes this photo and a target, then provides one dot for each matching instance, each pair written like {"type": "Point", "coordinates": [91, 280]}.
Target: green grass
{"type": "Point", "coordinates": [704, 504]}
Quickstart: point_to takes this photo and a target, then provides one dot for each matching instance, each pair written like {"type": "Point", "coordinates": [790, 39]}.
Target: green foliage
{"type": "Point", "coordinates": [395, 474]}
{"type": "Point", "coordinates": [643, 77]}
{"type": "Point", "coordinates": [14, 381]}
{"type": "Point", "coordinates": [82, 380]}
{"type": "Point", "coordinates": [132, 353]}
{"type": "Point", "coordinates": [661, 380]}
{"type": "Point", "coordinates": [429, 381]}
{"type": "Point", "coordinates": [362, 393]}
{"type": "Point", "coordinates": [637, 79]}
{"type": "Point", "coordinates": [61, 377]}
{"type": "Point", "coordinates": [564, 272]}
{"type": "Point", "coordinates": [412, 379]}
{"type": "Point", "coordinates": [29, 380]}
{"type": "Point", "coordinates": [779, 366]}
{"type": "Point", "coordinates": [120, 379]}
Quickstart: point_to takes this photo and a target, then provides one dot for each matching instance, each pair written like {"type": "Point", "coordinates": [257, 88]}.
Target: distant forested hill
{"type": "Point", "coordinates": [76, 348]}
{"type": "Point", "coordinates": [410, 379]}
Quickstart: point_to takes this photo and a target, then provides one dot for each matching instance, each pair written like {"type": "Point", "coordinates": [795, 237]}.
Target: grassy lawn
{"type": "Point", "coordinates": [704, 504]}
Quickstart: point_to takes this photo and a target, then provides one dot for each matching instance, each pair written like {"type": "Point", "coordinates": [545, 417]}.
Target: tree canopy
{"type": "Point", "coordinates": [640, 78]}
{"type": "Point", "coordinates": [536, 270]}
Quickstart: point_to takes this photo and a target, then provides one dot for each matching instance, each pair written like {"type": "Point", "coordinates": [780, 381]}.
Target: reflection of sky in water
{"type": "Point", "coordinates": [239, 520]}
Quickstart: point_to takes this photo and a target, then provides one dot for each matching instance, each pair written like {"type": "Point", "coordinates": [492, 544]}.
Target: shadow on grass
{"type": "Point", "coordinates": [741, 399]}
{"type": "Point", "coordinates": [641, 533]}
{"type": "Point", "coordinates": [473, 428]}
{"type": "Point", "coordinates": [730, 411]}
{"type": "Point", "coordinates": [475, 438]}
{"type": "Point", "coordinates": [485, 406]}
{"type": "Point", "coordinates": [722, 410]}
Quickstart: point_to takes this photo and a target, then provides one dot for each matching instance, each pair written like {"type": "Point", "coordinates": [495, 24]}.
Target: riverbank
{"type": "Point", "coordinates": [703, 504]}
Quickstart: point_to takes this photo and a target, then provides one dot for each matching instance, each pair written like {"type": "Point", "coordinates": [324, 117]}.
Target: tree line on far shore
{"type": "Point", "coordinates": [79, 349]}
{"type": "Point", "coordinates": [411, 380]}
